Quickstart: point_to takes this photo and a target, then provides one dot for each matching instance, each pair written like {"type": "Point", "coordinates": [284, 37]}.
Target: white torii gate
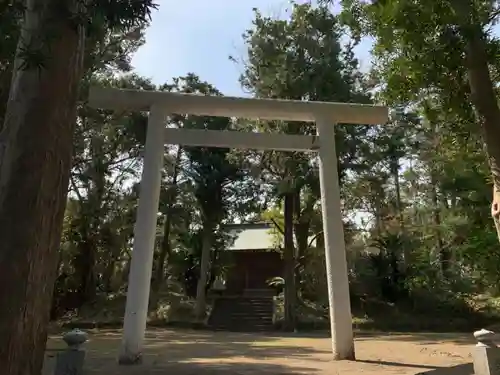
{"type": "Point", "coordinates": [162, 104]}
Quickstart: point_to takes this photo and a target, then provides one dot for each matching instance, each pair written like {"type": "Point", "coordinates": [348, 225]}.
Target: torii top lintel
{"type": "Point", "coordinates": [227, 106]}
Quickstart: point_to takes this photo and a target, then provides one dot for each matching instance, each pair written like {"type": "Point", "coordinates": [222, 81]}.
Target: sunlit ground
{"type": "Point", "coordinates": [198, 352]}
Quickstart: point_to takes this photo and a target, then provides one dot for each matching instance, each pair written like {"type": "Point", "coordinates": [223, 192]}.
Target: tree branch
{"type": "Point", "coordinates": [281, 230]}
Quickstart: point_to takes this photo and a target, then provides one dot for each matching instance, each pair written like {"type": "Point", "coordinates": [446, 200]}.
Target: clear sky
{"type": "Point", "coordinates": [198, 36]}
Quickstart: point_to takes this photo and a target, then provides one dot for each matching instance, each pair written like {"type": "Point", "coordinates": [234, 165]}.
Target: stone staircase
{"type": "Point", "coordinates": [247, 313]}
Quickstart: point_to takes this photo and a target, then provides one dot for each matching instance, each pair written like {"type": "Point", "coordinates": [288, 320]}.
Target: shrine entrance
{"type": "Point", "coordinates": [162, 104]}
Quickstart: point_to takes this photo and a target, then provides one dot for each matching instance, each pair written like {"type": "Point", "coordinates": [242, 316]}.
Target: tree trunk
{"type": "Point", "coordinates": [5, 80]}
{"type": "Point", "coordinates": [84, 266]}
{"type": "Point", "coordinates": [90, 228]}
{"type": "Point", "coordinates": [397, 186]}
{"type": "Point", "coordinates": [56, 294]}
{"type": "Point", "coordinates": [289, 265]}
{"type": "Point", "coordinates": [165, 250]}
{"type": "Point", "coordinates": [201, 296]}
{"type": "Point", "coordinates": [485, 102]}
{"type": "Point", "coordinates": [442, 251]}
{"type": "Point", "coordinates": [301, 228]}
{"type": "Point", "coordinates": [108, 274]}
{"type": "Point", "coordinates": [212, 270]}
{"type": "Point", "coordinates": [394, 167]}
{"type": "Point", "coordinates": [166, 247]}
{"type": "Point", "coordinates": [35, 160]}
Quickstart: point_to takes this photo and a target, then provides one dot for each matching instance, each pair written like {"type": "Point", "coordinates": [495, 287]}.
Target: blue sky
{"type": "Point", "coordinates": [199, 36]}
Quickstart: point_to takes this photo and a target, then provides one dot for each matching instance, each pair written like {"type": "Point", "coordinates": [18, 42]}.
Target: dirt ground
{"type": "Point", "coordinates": [184, 352]}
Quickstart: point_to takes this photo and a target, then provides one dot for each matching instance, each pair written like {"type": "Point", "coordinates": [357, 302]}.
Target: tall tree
{"type": "Point", "coordinates": [35, 161]}
{"type": "Point", "coordinates": [301, 58]}
{"type": "Point", "coordinates": [444, 48]}
{"type": "Point", "coordinates": [211, 172]}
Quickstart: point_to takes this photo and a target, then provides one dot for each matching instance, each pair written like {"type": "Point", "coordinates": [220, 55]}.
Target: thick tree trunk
{"type": "Point", "coordinates": [289, 265]}
{"type": "Point", "coordinates": [486, 104]}
{"type": "Point", "coordinates": [201, 295]}
{"type": "Point", "coordinates": [35, 160]}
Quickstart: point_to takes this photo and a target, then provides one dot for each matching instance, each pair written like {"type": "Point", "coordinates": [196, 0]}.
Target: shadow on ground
{"type": "Point", "coordinates": [422, 338]}
{"type": "Point", "coordinates": [185, 345]}
{"type": "Point", "coordinates": [191, 368]}
{"type": "Point", "coordinates": [465, 369]}
{"type": "Point", "coordinates": [192, 352]}
{"type": "Point", "coordinates": [185, 352]}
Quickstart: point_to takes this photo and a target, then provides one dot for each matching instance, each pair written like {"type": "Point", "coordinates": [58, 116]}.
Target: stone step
{"type": "Point", "coordinates": [247, 308]}
{"type": "Point", "coordinates": [239, 329]}
{"type": "Point", "coordinates": [247, 303]}
{"type": "Point", "coordinates": [246, 318]}
{"type": "Point", "coordinates": [250, 314]}
{"type": "Point", "coordinates": [242, 314]}
{"type": "Point", "coordinates": [245, 326]}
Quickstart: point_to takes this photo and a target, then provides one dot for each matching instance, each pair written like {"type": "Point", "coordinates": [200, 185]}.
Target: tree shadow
{"type": "Point", "coordinates": [463, 369]}
{"type": "Point", "coordinates": [189, 368]}
{"type": "Point", "coordinates": [396, 364]}
{"type": "Point", "coordinates": [190, 352]}
{"type": "Point", "coordinates": [237, 369]}
{"type": "Point", "coordinates": [421, 338]}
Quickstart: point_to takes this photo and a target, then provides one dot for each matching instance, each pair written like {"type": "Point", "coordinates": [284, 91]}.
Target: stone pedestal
{"type": "Point", "coordinates": [71, 360]}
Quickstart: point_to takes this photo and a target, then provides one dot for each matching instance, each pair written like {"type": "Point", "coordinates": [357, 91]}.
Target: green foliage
{"type": "Point", "coordinates": [416, 191]}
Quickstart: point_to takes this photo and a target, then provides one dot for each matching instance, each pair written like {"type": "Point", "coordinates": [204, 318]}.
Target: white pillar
{"type": "Point", "coordinates": [335, 253]}
{"type": "Point", "coordinates": [139, 280]}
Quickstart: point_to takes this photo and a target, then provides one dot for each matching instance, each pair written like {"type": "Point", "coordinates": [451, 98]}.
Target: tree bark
{"type": "Point", "coordinates": [35, 160]}
{"type": "Point", "coordinates": [90, 227]}
{"type": "Point", "coordinates": [289, 265]}
{"type": "Point", "coordinates": [201, 295]}
{"type": "Point", "coordinates": [485, 102]}
{"type": "Point", "coordinates": [5, 80]}
{"type": "Point", "coordinates": [166, 247]}
{"type": "Point", "coordinates": [109, 272]}
{"type": "Point", "coordinates": [85, 262]}
{"type": "Point", "coordinates": [301, 228]}
{"type": "Point", "coordinates": [442, 251]}
{"type": "Point", "coordinates": [394, 168]}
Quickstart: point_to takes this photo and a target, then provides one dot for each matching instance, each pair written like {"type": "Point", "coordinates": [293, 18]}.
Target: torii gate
{"type": "Point", "coordinates": [160, 105]}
